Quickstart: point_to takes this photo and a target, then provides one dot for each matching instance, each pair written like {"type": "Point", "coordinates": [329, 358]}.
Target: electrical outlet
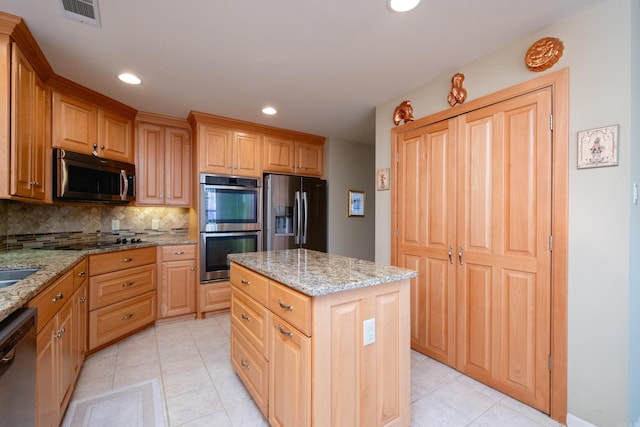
{"type": "Point", "coordinates": [155, 224]}
{"type": "Point", "coordinates": [368, 331]}
{"type": "Point", "coordinates": [115, 224]}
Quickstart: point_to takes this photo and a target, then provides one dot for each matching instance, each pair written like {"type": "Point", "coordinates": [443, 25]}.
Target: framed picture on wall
{"type": "Point", "coordinates": [355, 205]}
{"type": "Point", "coordinates": [598, 147]}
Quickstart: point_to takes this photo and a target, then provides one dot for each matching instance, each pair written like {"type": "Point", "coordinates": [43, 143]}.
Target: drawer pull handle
{"type": "Point", "coordinates": [245, 364]}
{"type": "Point", "coordinates": [59, 334]}
{"type": "Point", "coordinates": [126, 285]}
{"type": "Point", "coordinates": [82, 273]}
{"type": "Point", "coordinates": [57, 297]}
{"type": "Point", "coordinates": [179, 253]}
{"type": "Point", "coordinates": [126, 260]}
{"type": "Point", "coordinates": [245, 282]}
{"type": "Point", "coordinates": [284, 331]}
{"type": "Point", "coordinates": [127, 316]}
{"type": "Point", "coordinates": [245, 317]}
{"type": "Point", "coordinates": [285, 306]}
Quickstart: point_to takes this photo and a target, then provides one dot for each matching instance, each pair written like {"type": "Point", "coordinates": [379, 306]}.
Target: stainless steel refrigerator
{"type": "Point", "coordinates": [295, 212]}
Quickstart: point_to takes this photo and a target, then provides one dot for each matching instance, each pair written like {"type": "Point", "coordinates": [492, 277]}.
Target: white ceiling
{"type": "Point", "coordinates": [324, 64]}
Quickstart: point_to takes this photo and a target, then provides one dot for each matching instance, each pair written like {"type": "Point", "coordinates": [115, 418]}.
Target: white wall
{"type": "Point", "coordinates": [597, 45]}
{"type": "Point", "coordinates": [351, 166]}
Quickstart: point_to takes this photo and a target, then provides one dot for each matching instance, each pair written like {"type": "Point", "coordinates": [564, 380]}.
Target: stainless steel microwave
{"type": "Point", "coordinates": [86, 178]}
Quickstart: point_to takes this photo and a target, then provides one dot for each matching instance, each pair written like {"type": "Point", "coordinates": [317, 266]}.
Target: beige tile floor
{"type": "Point", "coordinates": [191, 360]}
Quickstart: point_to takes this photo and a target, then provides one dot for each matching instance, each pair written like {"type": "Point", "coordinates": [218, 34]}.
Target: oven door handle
{"type": "Point", "coordinates": [305, 208]}
{"type": "Point", "coordinates": [296, 218]}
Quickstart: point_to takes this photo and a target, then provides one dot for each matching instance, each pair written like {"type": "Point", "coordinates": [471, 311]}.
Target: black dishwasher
{"type": "Point", "coordinates": [18, 369]}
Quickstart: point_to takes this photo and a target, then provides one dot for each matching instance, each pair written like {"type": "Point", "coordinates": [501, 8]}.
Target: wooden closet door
{"type": "Point", "coordinates": [504, 259]}
{"type": "Point", "coordinates": [426, 232]}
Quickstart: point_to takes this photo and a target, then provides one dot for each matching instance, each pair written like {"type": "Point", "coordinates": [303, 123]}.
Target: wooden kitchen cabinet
{"type": "Point", "coordinates": [163, 162]}
{"type": "Point", "coordinates": [177, 286]}
{"type": "Point", "coordinates": [122, 294]}
{"type": "Point", "coordinates": [297, 338]}
{"type": "Point", "coordinates": [229, 152]}
{"type": "Point", "coordinates": [283, 155]}
{"type": "Point", "coordinates": [61, 332]}
{"type": "Point", "coordinates": [215, 296]}
{"type": "Point", "coordinates": [84, 127]}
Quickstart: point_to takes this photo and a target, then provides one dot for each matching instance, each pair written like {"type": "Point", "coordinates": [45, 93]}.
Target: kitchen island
{"type": "Point", "coordinates": [321, 339]}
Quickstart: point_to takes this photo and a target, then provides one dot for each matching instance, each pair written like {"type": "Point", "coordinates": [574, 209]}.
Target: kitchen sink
{"type": "Point", "coordinates": [11, 277]}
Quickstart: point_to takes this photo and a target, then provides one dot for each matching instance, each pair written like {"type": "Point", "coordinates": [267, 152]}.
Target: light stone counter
{"type": "Point", "coordinates": [52, 264]}
{"type": "Point", "coordinates": [317, 273]}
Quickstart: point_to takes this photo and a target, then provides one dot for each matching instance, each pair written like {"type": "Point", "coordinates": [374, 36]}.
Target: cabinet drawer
{"type": "Point", "coordinates": [251, 319]}
{"type": "Point", "coordinates": [252, 368]}
{"type": "Point", "coordinates": [80, 273]}
{"type": "Point", "coordinates": [114, 321]}
{"type": "Point", "coordinates": [106, 263]}
{"type": "Point", "coordinates": [176, 252]}
{"type": "Point", "coordinates": [253, 284]}
{"type": "Point", "coordinates": [215, 296]}
{"type": "Point", "coordinates": [113, 287]}
{"type": "Point", "coordinates": [50, 300]}
{"type": "Point", "coordinates": [291, 305]}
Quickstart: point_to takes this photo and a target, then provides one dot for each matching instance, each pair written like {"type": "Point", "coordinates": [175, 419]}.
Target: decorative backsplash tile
{"type": "Point", "coordinates": [25, 225]}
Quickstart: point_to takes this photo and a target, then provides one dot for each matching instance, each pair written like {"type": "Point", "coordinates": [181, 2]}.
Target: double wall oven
{"type": "Point", "coordinates": [230, 221]}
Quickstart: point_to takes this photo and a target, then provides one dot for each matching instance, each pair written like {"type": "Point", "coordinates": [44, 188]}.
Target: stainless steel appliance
{"type": "Point", "coordinates": [18, 368]}
{"type": "Point", "coordinates": [85, 178]}
{"type": "Point", "coordinates": [230, 221]}
{"type": "Point", "coordinates": [295, 212]}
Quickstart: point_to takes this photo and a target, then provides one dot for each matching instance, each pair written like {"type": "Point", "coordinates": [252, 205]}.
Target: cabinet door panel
{"type": "Point", "coordinates": [309, 159]}
{"type": "Point", "coordinates": [177, 288]}
{"type": "Point", "coordinates": [150, 167]}
{"type": "Point", "coordinates": [46, 377]}
{"type": "Point", "coordinates": [215, 149]}
{"type": "Point", "coordinates": [74, 124]}
{"type": "Point", "coordinates": [178, 165]}
{"type": "Point", "coordinates": [115, 140]}
{"type": "Point", "coordinates": [279, 155]}
{"type": "Point", "coordinates": [247, 154]}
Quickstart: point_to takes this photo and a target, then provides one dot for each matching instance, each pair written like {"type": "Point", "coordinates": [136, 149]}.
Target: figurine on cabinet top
{"type": "Point", "coordinates": [403, 112]}
{"type": "Point", "coordinates": [458, 94]}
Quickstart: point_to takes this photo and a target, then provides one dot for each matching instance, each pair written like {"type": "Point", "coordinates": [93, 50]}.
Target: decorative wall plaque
{"type": "Point", "coordinates": [403, 112]}
{"type": "Point", "coordinates": [543, 54]}
{"type": "Point", "coordinates": [598, 147]}
{"type": "Point", "coordinates": [458, 94]}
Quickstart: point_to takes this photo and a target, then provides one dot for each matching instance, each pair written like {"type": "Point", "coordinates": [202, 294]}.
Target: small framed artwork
{"type": "Point", "coordinates": [382, 179]}
{"type": "Point", "coordinates": [356, 203]}
{"type": "Point", "coordinates": [598, 147]}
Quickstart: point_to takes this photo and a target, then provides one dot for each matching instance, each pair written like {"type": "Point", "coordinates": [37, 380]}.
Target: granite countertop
{"type": "Point", "coordinates": [51, 264]}
{"type": "Point", "coordinates": [317, 273]}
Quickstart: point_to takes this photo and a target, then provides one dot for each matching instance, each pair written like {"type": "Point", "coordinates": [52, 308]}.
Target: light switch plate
{"type": "Point", "coordinates": [368, 331]}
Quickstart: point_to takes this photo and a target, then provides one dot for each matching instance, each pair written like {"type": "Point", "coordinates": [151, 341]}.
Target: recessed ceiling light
{"type": "Point", "coordinates": [403, 5]}
{"type": "Point", "coordinates": [130, 78]}
{"type": "Point", "coordinates": [270, 111]}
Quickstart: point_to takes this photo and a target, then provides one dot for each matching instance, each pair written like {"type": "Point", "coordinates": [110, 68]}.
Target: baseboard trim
{"type": "Point", "coordinates": [573, 421]}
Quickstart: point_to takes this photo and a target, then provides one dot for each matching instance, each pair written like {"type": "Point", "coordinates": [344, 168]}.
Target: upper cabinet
{"type": "Point", "coordinates": [25, 162]}
{"type": "Point", "coordinates": [84, 127]}
{"type": "Point", "coordinates": [233, 147]}
{"type": "Point", "coordinates": [289, 156]}
{"type": "Point", "coordinates": [163, 161]}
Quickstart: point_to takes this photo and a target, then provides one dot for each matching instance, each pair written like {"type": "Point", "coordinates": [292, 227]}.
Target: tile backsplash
{"type": "Point", "coordinates": [22, 224]}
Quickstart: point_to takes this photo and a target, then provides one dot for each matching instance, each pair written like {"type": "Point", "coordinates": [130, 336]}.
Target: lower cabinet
{"type": "Point", "coordinates": [281, 339]}
{"type": "Point", "coordinates": [60, 343]}
{"type": "Point", "coordinates": [177, 285]}
{"type": "Point", "coordinates": [215, 296]}
{"type": "Point", "coordinates": [122, 294]}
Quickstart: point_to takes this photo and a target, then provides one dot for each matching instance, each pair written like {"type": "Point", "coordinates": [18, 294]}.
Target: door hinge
{"type": "Point", "coordinates": [550, 243]}
{"type": "Point", "coordinates": [549, 363]}
{"type": "Point", "coordinates": [551, 122]}
{"type": "Point", "coordinates": [396, 157]}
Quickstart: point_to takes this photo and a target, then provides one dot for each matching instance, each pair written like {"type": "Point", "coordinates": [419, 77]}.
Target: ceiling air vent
{"type": "Point", "coordinates": [81, 10]}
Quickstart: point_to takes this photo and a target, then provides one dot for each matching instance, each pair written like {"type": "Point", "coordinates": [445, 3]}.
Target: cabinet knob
{"type": "Point", "coordinates": [82, 273]}
{"type": "Point", "coordinates": [127, 316]}
{"type": "Point", "coordinates": [126, 260]}
{"type": "Point", "coordinates": [83, 299]}
{"type": "Point", "coordinates": [126, 285]}
{"type": "Point", "coordinates": [179, 253]}
{"type": "Point", "coordinates": [57, 297]}
{"type": "Point", "coordinates": [102, 147]}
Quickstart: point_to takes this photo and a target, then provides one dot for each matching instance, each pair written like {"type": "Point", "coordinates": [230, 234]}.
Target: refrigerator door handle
{"type": "Point", "coordinates": [296, 218]}
{"type": "Point", "coordinates": [305, 217]}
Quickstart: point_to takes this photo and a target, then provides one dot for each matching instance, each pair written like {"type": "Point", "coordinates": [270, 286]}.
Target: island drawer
{"type": "Point", "coordinates": [252, 319]}
{"type": "Point", "coordinates": [117, 286]}
{"type": "Point", "coordinates": [50, 300]}
{"type": "Point", "coordinates": [253, 284]}
{"type": "Point", "coordinates": [112, 261]}
{"type": "Point", "coordinates": [252, 368]}
{"type": "Point", "coordinates": [114, 321]}
{"type": "Point", "coordinates": [176, 252]}
{"type": "Point", "coordinates": [291, 305]}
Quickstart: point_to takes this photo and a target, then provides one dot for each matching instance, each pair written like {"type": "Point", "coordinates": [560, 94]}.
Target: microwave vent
{"type": "Point", "coordinates": [85, 11]}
